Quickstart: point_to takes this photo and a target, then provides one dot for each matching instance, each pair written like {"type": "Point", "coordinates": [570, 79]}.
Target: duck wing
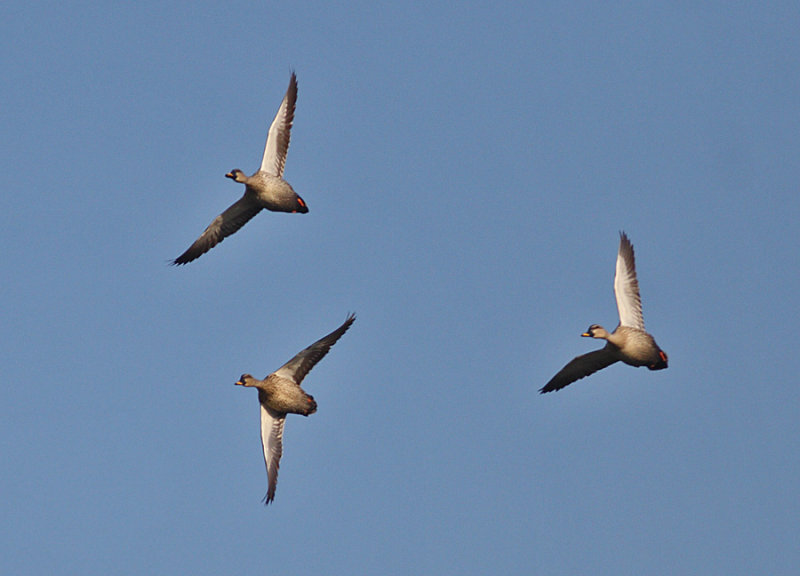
{"type": "Point", "coordinates": [277, 145]}
{"type": "Point", "coordinates": [626, 286]}
{"type": "Point", "coordinates": [236, 216]}
{"type": "Point", "coordinates": [272, 444]}
{"type": "Point", "coordinates": [579, 367]}
{"type": "Point", "coordinates": [297, 368]}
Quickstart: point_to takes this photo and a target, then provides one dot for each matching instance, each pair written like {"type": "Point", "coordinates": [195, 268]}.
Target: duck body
{"type": "Point", "coordinates": [280, 394]}
{"type": "Point", "coordinates": [269, 192]}
{"type": "Point", "coordinates": [632, 346]}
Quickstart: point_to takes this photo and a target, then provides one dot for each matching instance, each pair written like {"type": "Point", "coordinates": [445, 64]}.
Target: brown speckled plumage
{"type": "Point", "coordinates": [280, 394]}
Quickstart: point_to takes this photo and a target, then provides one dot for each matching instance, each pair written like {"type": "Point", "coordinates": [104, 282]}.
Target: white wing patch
{"type": "Point", "coordinates": [626, 287]}
{"type": "Point", "coordinates": [272, 444]}
{"type": "Point", "coordinates": [277, 146]}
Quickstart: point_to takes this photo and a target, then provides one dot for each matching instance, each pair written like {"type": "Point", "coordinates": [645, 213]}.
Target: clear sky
{"type": "Point", "coordinates": [467, 171]}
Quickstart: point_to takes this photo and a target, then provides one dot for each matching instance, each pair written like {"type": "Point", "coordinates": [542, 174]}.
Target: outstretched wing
{"type": "Point", "coordinates": [236, 216]}
{"type": "Point", "coordinates": [579, 367]}
{"type": "Point", "coordinates": [272, 444]}
{"type": "Point", "coordinates": [279, 133]}
{"type": "Point", "coordinates": [626, 287]}
{"type": "Point", "coordinates": [297, 368]}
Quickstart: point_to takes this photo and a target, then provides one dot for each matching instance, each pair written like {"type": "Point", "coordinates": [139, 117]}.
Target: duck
{"type": "Point", "coordinates": [264, 190]}
{"type": "Point", "coordinates": [628, 343]}
{"type": "Point", "coordinates": [280, 394]}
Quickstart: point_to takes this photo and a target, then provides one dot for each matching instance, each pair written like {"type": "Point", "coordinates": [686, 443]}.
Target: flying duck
{"type": "Point", "coordinates": [628, 343]}
{"type": "Point", "coordinates": [280, 394]}
{"type": "Point", "coordinates": [266, 189]}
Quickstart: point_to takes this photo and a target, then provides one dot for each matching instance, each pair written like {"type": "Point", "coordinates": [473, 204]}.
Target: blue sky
{"type": "Point", "coordinates": [467, 173]}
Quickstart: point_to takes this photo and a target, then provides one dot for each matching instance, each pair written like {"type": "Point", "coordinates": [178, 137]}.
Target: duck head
{"type": "Point", "coordinates": [246, 380]}
{"type": "Point", "coordinates": [236, 175]}
{"type": "Point", "coordinates": [596, 331]}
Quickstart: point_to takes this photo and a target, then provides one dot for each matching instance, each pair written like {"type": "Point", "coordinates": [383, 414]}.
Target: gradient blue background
{"type": "Point", "coordinates": [467, 171]}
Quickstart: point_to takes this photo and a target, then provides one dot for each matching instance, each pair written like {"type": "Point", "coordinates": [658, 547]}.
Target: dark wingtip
{"type": "Point", "coordinates": [181, 260]}
{"type": "Point", "coordinates": [625, 242]}
{"type": "Point", "coordinates": [189, 256]}
{"type": "Point", "coordinates": [351, 317]}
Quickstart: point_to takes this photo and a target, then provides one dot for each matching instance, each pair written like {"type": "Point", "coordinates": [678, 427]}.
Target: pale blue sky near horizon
{"type": "Point", "coordinates": [467, 172]}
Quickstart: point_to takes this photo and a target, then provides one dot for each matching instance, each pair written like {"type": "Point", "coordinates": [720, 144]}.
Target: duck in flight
{"type": "Point", "coordinates": [280, 394]}
{"type": "Point", "coordinates": [266, 189]}
{"type": "Point", "coordinates": [628, 343]}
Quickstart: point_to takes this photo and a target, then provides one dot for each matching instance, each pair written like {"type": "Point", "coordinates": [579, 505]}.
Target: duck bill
{"type": "Point", "coordinates": [586, 335]}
